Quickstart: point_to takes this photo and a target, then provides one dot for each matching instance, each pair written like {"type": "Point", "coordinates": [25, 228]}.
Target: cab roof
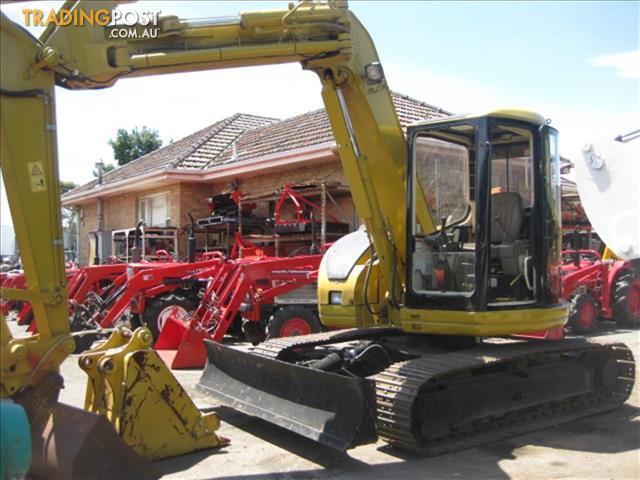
{"type": "Point", "coordinates": [513, 114]}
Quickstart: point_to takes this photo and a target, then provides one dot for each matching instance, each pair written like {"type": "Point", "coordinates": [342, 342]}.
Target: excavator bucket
{"type": "Point", "coordinates": [134, 389]}
{"type": "Point", "coordinates": [69, 442]}
{"type": "Point", "coordinates": [335, 410]}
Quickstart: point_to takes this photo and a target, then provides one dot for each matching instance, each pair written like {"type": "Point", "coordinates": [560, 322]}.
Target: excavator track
{"type": "Point", "coordinates": [401, 388]}
{"type": "Point", "coordinates": [410, 417]}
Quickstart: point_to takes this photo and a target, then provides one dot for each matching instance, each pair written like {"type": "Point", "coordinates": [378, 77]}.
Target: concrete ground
{"type": "Point", "coordinates": [605, 446]}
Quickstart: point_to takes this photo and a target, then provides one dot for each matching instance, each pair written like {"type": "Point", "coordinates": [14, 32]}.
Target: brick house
{"type": "Point", "coordinates": [253, 154]}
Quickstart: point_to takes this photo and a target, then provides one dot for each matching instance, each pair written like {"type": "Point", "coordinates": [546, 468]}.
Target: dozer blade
{"type": "Point", "coordinates": [335, 410]}
{"type": "Point", "coordinates": [69, 442]}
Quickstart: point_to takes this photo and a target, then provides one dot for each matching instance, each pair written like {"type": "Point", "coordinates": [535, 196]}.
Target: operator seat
{"type": "Point", "coordinates": [507, 218]}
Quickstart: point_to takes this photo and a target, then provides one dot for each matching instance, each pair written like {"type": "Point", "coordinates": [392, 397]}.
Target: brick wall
{"type": "Point", "coordinates": [192, 199]}
{"type": "Point", "coordinates": [121, 211]}
{"type": "Point", "coordinates": [270, 182]}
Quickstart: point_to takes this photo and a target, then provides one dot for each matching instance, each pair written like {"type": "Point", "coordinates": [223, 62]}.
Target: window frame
{"type": "Point", "coordinates": [510, 168]}
{"type": "Point", "coordinates": [435, 299]}
{"type": "Point", "coordinates": [415, 181]}
{"type": "Point", "coordinates": [145, 212]}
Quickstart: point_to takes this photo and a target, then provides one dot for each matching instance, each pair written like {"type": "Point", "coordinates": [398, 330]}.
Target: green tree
{"type": "Point", "coordinates": [65, 186]}
{"type": "Point", "coordinates": [128, 146]}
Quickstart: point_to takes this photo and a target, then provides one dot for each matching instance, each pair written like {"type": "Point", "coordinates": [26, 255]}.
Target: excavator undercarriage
{"type": "Point", "coordinates": [423, 394]}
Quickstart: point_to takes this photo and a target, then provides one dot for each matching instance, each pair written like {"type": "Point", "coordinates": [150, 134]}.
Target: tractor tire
{"type": "Point", "coordinates": [158, 308]}
{"type": "Point", "coordinates": [292, 321]}
{"type": "Point", "coordinates": [583, 314]}
{"type": "Point", "coordinates": [253, 332]}
{"type": "Point", "coordinates": [626, 298]}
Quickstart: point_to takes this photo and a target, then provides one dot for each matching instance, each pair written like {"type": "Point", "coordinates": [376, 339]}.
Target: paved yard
{"type": "Point", "coordinates": [599, 447]}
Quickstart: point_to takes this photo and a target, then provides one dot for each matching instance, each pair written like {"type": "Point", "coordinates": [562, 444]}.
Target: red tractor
{"type": "Point", "coordinates": [599, 288]}
{"type": "Point", "coordinates": [266, 297]}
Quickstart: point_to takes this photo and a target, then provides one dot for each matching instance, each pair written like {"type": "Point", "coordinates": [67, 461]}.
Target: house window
{"type": "Point", "coordinates": [155, 209]}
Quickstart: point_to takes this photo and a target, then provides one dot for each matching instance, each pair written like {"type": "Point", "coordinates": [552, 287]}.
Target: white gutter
{"type": "Point", "coordinates": [318, 153]}
{"type": "Point", "coordinates": [266, 163]}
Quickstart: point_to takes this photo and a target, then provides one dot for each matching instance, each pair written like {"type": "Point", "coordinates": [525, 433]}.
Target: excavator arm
{"type": "Point", "coordinates": [324, 37]}
{"type": "Point", "coordinates": [320, 36]}
{"type": "Point", "coordinates": [30, 174]}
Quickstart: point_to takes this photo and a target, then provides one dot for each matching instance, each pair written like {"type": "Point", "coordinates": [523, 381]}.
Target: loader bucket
{"type": "Point", "coordinates": [68, 442]}
{"type": "Point", "coordinates": [335, 410]}
{"type": "Point", "coordinates": [191, 352]}
{"type": "Point", "coordinates": [171, 333]}
{"type": "Point", "coordinates": [180, 344]}
{"type": "Point", "coordinates": [555, 333]}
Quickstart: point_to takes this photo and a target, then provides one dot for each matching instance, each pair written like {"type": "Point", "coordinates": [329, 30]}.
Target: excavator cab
{"type": "Point", "coordinates": [493, 182]}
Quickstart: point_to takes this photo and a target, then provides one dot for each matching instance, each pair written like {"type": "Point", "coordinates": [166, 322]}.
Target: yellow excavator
{"type": "Point", "coordinates": [460, 242]}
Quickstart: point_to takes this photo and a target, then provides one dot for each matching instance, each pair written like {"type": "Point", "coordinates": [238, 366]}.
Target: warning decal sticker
{"type": "Point", "coordinates": [36, 177]}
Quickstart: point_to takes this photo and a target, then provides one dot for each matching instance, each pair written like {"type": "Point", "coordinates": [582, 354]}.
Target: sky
{"type": "Point", "coordinates": [577, 63]}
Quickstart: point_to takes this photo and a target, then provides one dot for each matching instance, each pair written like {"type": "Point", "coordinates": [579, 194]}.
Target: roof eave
{"type": "Point", "coordinates": [266, 163]}
{"type": "Point", "coordinates": [263, 164]}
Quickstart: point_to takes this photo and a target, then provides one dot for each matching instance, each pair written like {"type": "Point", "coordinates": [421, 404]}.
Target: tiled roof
{"type": "Point", "coordinates": [184, 150]}
{"type": "Point", "coordinates": [569, 187]}
{"type": "Point", "coordinates": [565, 165]}
{"type": "Point", "coordinates": [203, 153]}
{"type": "Point", "coordinates": [410, 110]}
{"type": "Point", "coordinates": [241, 137]}
{"type": "Point", "coordinates": [311, 129]}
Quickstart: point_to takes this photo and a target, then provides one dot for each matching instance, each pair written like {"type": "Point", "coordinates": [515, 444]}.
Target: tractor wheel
{"type": "Point", "coordinates": [626, 298]}
{"type": "Point", "coordinates": [252, 331]}
{"type": "Point", "coordinates": [159, 308]}
{"type": "Point", "coordinates": [583, 314]}
{"type": "Point", "coordinates": [291, 321]}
